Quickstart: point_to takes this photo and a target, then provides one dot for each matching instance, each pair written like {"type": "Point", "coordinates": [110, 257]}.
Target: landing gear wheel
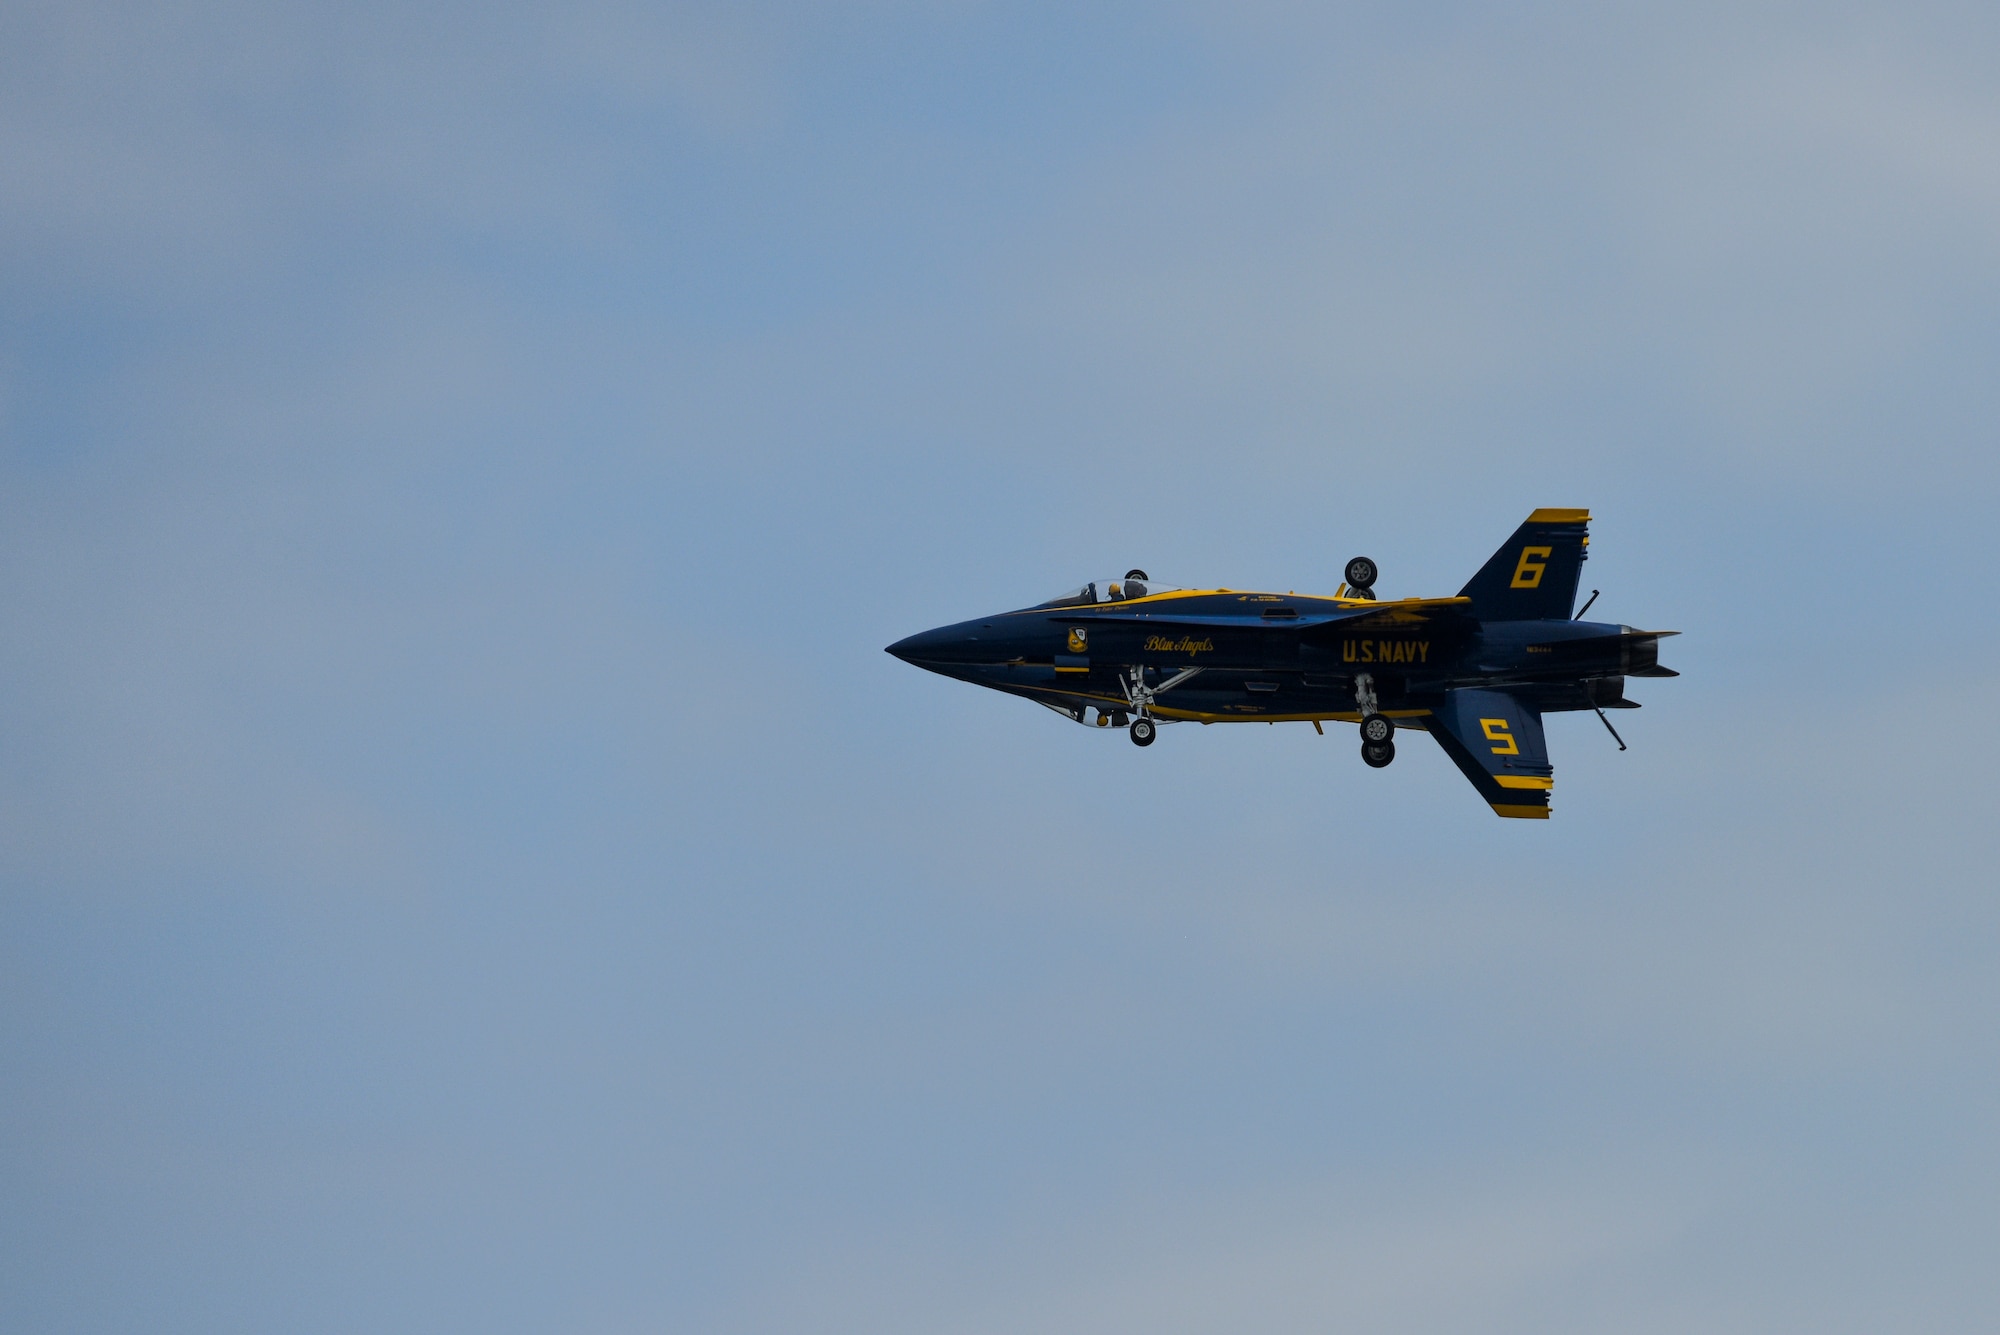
{"type": "Point", "coordinates": [1142, 731]}
{"type": "Point", "coordinates": [1378, 729]}
{"type": "Point", "coordinates": [1377, 755]}
{"type": "Point", "coordinates": [1361, 574]}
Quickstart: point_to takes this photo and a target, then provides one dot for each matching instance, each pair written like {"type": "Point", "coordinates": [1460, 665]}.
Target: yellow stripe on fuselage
{"type": "Point", "coordinates": [1196, 716]}
{"type": "Point", "coordinates": [1243, 595]}
{"type": "Point", "coordinates": [1349, 716]}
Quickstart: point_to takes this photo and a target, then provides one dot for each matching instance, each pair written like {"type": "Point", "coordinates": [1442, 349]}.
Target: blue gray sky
{"type": "Point", "coordinates": [467, 864]}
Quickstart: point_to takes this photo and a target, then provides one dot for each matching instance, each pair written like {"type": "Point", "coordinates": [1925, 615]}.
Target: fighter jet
{"type": "Point", "coordinates": [1476, 671]}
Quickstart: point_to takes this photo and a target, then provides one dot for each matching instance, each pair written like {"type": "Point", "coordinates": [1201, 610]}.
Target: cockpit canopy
{"type": "Point", "coordinates": [1135, 584]}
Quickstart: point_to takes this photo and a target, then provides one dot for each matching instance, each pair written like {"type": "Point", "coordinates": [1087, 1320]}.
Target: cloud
{"type": "Point", "coordinates": [1735, 240]}
{"type": "Point", "coordinates": [222, 143]}
{"type": "Point", "coordinates": [1349, 1253]}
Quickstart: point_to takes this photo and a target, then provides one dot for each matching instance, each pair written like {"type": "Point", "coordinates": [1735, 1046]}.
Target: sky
{"type": "Point", "coordinates": [467, 864]}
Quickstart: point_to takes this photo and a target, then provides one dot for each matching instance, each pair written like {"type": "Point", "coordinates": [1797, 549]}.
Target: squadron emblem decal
{"type": "Point", "coordinates": [1077, 641]}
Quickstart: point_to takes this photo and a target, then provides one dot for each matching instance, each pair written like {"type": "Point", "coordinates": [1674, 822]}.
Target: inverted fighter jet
{"type": "Point", "coordinates": [1476, 671]}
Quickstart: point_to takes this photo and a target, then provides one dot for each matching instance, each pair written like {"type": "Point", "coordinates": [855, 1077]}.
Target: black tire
{"type": "Point", "coordinates": [1142, 731]}
{"type": "Point", "coordinates": [1139, 575]}
{"type": "Point", "coordinates": [1361, 574]}
{"type": "Point", "coordinates": [1377, 755]}
{"type": "Point", "coordinates": [1377, 729]}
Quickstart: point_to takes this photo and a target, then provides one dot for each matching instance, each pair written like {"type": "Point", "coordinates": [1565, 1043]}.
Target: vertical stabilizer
{"type": "Point", "coordinates": [1496, 741]}
{"type": "Point", "coordinates": [1533, 577]}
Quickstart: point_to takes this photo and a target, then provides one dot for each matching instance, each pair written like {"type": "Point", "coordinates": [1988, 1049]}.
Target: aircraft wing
{"type": "Point", "coordinates": [1496, 741]}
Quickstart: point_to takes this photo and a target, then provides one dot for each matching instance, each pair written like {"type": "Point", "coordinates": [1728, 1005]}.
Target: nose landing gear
{"type": "Point", "coordinates": [1142, 696]}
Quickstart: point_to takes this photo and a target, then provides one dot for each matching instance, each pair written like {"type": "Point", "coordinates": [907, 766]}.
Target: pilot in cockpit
{"type": "Point", "coordinates": [1134, 585]}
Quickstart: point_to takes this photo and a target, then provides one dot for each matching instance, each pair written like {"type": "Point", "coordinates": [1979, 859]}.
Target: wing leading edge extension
{"type": "Point", "coordinates": [1496, 740]}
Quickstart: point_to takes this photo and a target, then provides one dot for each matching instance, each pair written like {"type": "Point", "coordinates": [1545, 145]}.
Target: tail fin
{"type": "Point", "coordinates": [1533, 576]}
{"type": "Point", "coordinates": [1496, 739]}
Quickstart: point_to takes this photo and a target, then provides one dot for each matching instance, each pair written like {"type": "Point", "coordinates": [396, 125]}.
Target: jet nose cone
{"type": "Point", "coordinates": [945, 644]}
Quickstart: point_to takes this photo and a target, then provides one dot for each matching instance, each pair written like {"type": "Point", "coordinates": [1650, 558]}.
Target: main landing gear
{"type": "Point", "coordinates": [1378, 730]}
{"type": "Point", "coordinates": [1360, 574]}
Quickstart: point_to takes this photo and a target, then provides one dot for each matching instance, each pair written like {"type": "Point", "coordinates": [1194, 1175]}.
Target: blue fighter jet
{"type": "Point", "coordinates": [1476, 671]}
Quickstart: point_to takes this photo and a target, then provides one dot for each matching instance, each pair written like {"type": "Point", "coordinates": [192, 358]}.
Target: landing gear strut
{"type": "Point", "coordinates": [1378, 730]}
{"type": "Point", "coordinates": [1364, 695]}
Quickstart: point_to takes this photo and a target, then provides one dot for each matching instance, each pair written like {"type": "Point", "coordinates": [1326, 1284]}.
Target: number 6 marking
{"type": "Point", "coordinates": [1528, 574]}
